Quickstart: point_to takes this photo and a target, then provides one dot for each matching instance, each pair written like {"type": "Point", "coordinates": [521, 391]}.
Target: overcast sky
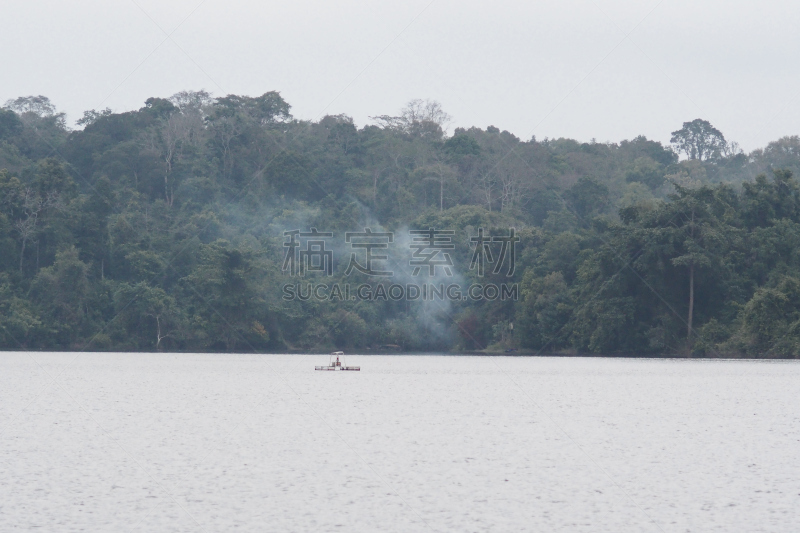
{"type": "Point", "coordinates": [608, 70]}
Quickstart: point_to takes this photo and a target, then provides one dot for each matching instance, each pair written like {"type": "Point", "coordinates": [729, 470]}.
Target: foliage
{"type": "Point", "coordinates": [700, 140]}
{"type": "Point", "coordinates": [162, 229]}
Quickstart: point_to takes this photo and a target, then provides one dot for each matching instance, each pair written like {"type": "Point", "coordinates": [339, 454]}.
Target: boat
{"type": "Point", "coordinates": [337, 364]}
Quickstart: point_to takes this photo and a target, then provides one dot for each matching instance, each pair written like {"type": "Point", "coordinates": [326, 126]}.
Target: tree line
{"type": "Point", "coordinates": [163, 229]}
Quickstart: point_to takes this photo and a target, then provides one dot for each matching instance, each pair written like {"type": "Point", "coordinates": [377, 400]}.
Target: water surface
{"type": "Point", "coordinates": [162, 442]}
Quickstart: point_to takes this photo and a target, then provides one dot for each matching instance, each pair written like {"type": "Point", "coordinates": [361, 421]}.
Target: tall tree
{"type": "Point", "coordinates": [696, 233]}
{"type": "Point", "coordinates": [700, 140]}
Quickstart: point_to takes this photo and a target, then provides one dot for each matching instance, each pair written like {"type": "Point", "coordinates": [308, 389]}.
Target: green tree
{"type": "Point", "coordinates": [62, 291]}
{"type": "Point", "coordinates": [587, 197]}
{"type": "Point", "coordinates": [228, 295]}
{"type": "Point", "coordinates": [700, 140]}
{"type": "Point", "coordinates": [149, 315]}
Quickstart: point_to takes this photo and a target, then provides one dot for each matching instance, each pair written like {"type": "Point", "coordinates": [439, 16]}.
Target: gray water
{"type": "Point", "coordinates": [162, 442]}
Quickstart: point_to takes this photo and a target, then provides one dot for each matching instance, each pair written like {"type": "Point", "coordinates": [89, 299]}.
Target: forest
{"type": "Point", "coordinates": [170, 228]}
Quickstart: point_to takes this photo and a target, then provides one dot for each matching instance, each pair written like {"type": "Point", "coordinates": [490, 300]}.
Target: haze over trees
{"type": "Point", "coordinates": [163, 229]}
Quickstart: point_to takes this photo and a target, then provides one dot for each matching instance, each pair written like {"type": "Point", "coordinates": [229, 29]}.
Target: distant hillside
{"type": "Point", "coordinates": [168, 228]}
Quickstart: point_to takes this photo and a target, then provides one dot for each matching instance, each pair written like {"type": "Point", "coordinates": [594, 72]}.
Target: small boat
{"type": "Point", "coordinates": [337, 364]}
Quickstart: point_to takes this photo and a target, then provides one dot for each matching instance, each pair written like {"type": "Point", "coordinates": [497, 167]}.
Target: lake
{"type": "Point", "coordinates": [188, 442]}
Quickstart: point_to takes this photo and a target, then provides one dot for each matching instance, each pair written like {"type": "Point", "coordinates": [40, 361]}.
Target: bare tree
{"type": "Point", "coordinates": [515, 180]}
{"type": "Point", "coordinates": [422, 117]}
{"type": "Point", "coordinates": [178, 131]}
{"type": "Point", "coordinates": [440, 173]}
{"type": "Point", "coordinates": [425, 111]}
{"type": "Point", "coordinates": [33, 205]}
{"type": "Point", "coordinates": [38, 105]}
{"type": "Point", "coordinates": [487, 185]}
{"type": "Point", "coordinates": [226, 129]}
{"type": "Point", "coordinates": [159, 336]}
{"type": "Point", "coordinates": [191, 100]}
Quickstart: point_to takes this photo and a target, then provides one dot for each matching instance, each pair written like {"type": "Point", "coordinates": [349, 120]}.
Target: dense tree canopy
{"type": "Point", "coordinates": [165, 228]}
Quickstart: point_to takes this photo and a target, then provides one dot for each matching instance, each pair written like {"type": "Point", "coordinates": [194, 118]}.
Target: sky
{"type": "Point", "coordinates": [603, 70]}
